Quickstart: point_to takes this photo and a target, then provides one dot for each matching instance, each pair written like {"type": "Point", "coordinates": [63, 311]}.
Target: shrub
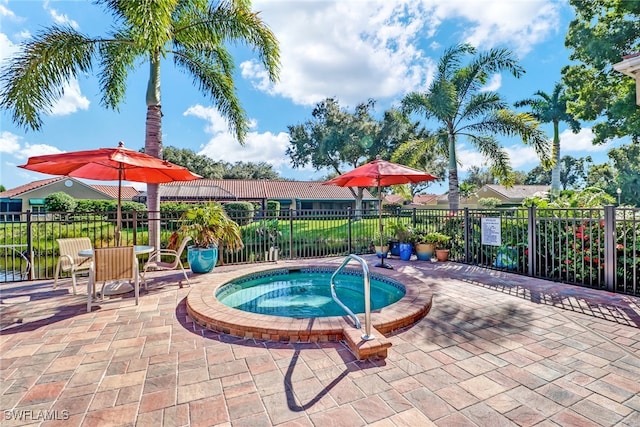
{"type": "Point", "coordinates": [240, 212]}
{"type": "Point", "coordinates": [60, 202]}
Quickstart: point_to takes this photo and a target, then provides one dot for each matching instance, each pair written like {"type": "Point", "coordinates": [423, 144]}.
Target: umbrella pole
{"type": "Point", "coordinates": [118, 233]}
{"type": "Point", "coordinates": [381, 227]}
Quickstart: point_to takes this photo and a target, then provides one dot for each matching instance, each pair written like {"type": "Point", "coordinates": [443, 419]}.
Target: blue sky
{"type": "Point", "coordinates": [349, 50]}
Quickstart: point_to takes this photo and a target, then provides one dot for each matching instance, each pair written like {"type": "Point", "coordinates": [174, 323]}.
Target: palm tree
{"type": "Point", "coordinates": [193, 32]}
{"type": "Point", "coordinates": [552, 109]}
{"type": "Point", "coordinates": [457, 102]}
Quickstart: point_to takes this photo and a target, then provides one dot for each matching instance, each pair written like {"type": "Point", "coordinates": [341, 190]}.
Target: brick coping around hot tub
{"type": "Point", "coordinates": [208, 312]}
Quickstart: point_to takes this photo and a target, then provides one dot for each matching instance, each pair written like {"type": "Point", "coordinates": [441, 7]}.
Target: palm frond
{"type": "Point", "coordinates": [34, 79]}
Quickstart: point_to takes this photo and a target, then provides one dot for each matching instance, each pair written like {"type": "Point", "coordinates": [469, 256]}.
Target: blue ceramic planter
{"type": "Point", "coordinates": [202, 260]}
{"type": "Point", "coordinates": [405, 251]}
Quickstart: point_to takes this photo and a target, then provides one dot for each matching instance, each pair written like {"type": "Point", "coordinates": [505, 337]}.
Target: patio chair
{"type": "Point", "coordinates": [112, 264]}
{"type": "Point", "coordinates": [155, 262]}
{"type": "Point", "coordinates": [70, 260]}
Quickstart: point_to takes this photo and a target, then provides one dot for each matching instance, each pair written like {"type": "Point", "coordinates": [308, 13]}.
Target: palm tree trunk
{"type": "Point", "coordinates": [454, 191]}
{"type": "Point", "coordinates": [153, 147]}
{"type": "Point", "coordinates": [555, 172]}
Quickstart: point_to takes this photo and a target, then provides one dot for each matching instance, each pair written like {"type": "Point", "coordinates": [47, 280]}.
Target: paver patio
{"type": "Point", "coordinates": [496, 349]}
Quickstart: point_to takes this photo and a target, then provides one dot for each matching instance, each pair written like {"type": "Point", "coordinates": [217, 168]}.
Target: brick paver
{"type": "Point", "coordinates": [496, 349]}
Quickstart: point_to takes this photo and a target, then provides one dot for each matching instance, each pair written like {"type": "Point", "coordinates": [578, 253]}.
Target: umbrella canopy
{"type": "Point", "coordinates": [109, 164]}
{"type": "Point", "coordinates": [380, 173]}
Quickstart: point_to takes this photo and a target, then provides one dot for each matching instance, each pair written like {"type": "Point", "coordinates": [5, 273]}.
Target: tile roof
{"type": "Point", "coordinates": [128, 193]}
{"type": "Point", "coordinates": [246, 189]}
{"type": "Point", "coordinates": [13, 192]}
{"type": "Point", "coordinates": [517, 192]}
{"type": "Point", "coordinates": [423, 199]}
{"type": "Point", "coordinates": [393, 198]}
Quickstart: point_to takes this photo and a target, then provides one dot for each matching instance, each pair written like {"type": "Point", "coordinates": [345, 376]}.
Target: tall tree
{"type": "Point", "coordinates": [573, 173]}
{"type": "Point", "coordinates": [552, 109]}
{"type": "Point", "coordinates": [420, 153]}
{"type": "Point", "coordinates": [457, 101]}
{"type": "Point", "coordinates": [202, 165]}
{"type": "Point", "coordinates": [335, 138]}
{"type": "Point", "coordinates": [248, 170]}
{"type": "Point", "coordinates": [602, 32]}
{"type": "Point", "coordinates": [194, 32]}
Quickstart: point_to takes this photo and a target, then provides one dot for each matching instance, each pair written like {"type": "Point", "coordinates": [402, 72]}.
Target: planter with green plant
{"type": "Point", "coordinates": [211, 230]}
{"type": "Point", "coordinates": [425, 246]}
{"type": "Point", "coordinates": [441, 243]}
{"type": "Point", "coordinates": [405, 237]}
{"type": "Point", "coordinates": [381, 251]}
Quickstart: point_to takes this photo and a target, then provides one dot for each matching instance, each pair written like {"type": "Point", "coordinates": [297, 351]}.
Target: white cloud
{"type": "Point", "coordinates": [72, 100]}
{"type": "Point", "coordinates": [31, 150]}
{"type": "Point", "coordinates": [580, 142]}
{"type": "Point", "coordinates": [344, 50]}
{"type": "Point", "coordinates": [259, 147]}
{"type": "Point", "coordinates": [517, 24]}
{"type": "Point", "coordinates": [9, 143]}
{"type": "Point", "coordinates": [60, 18]}
{"type": "Point", "coordinates": [493, 84]}
{"type": "Point", "coordinates": [5, 12]}
{"type": "Point", "coordinates": [347, 49]}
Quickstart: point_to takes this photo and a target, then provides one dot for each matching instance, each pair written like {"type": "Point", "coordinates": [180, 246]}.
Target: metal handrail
{"type": "Point", "coordinates": [367, 296]}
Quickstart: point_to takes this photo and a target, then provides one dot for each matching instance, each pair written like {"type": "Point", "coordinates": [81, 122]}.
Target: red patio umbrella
{"type": "Point", "coordinates": [380, 173]}
{"type": "Point", "coordinates": [108, 164]}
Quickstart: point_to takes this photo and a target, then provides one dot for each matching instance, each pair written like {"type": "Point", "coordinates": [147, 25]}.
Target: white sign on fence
{"type": "Point", "coordinates": [490, 233]}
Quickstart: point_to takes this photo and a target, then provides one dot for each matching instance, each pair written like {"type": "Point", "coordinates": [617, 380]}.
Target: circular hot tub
{"type": "Point", "coordinates": [206, 309]}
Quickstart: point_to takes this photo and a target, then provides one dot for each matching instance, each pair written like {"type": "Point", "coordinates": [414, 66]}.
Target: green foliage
{"type": "Point", "coordinates": [273, 207]}
{"type": "Point", "coordinates": [462, 110]}
{"type": "Point", "coordinates": [269, 232]}
{"type": "Point", "coordinates": [208, 224]}
{"type": "Point", "coordinates": [240, 212]}
{"type": "Point", "coordinates": [552, 109]}
{"type": "Point", "coordinates": [438, 239]}
{"type": "Point", "coordinates": [489, 202]}
{"type": "Point", "coordinates": [196, 163]}
{"type": "Point", "coordinates": [248, 170]}
{"type": "Point", "coordinates": [60, 202]}
{"type": "Point", "coordinates": [602, 32]}
{"type": "Point", "coordinates": [401, 231]}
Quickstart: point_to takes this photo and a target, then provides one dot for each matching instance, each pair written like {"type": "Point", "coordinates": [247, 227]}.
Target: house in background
{"type": "Point", "coordinates": [31, 196]}
{"type": "Point", "coordinates": [508, 196]}
{"type": "Point", "coordinates": [295, 195]}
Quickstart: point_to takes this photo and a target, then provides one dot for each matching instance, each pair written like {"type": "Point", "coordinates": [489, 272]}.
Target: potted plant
{"type": "Point", "coordinates": [405, 237]}
{"type": "Point", "coordinates": [425, 245]}
{"type": "Point", "coordinates": [211, 229]}
{"type": "Point", "coordinates": [441, 243]}
{"type": "Point", "coordinates": [269, 232]}
{"type": "Point", "coordinates": [381, 251]}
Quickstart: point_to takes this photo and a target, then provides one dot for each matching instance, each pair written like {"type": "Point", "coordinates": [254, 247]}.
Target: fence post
{"type": "Point", "coordinates": [413, 218]}
{"type": "Point", "coordinates": [135, 228]}
{"type": "Point", "coordinates": [532, 244]}
{"type": "Point", "coordinates": [350, 231]}
{"type": "Point", "coordinates": [610, 247]}
{"type": "Point", "coordinates": [467, 237]}
{"type": "Point", "coordinates": [30, 247]}
{"type": "Point", "coordinates": [291, 254]}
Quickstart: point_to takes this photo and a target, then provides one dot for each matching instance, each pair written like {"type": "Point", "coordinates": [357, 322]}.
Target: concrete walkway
{"type": "Point", "coordinates": [496, 350]}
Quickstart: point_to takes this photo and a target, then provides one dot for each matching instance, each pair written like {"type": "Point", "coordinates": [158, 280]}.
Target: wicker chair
{"type": "Point", "coordinates": [112, 264]}
{"type": "Point", "coordinates": [70, 260]}
{"type": "Point", "coordinates": [155, 262]}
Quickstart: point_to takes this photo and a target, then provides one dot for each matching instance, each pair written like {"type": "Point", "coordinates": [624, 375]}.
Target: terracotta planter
{"type": "Point", "coordinates": [442, 254]}
{"type": "Point", "coordinates": [424, 251]}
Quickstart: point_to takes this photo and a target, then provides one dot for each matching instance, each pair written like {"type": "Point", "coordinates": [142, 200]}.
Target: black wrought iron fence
{"type": "Point", "coordinates": [598, 248]}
